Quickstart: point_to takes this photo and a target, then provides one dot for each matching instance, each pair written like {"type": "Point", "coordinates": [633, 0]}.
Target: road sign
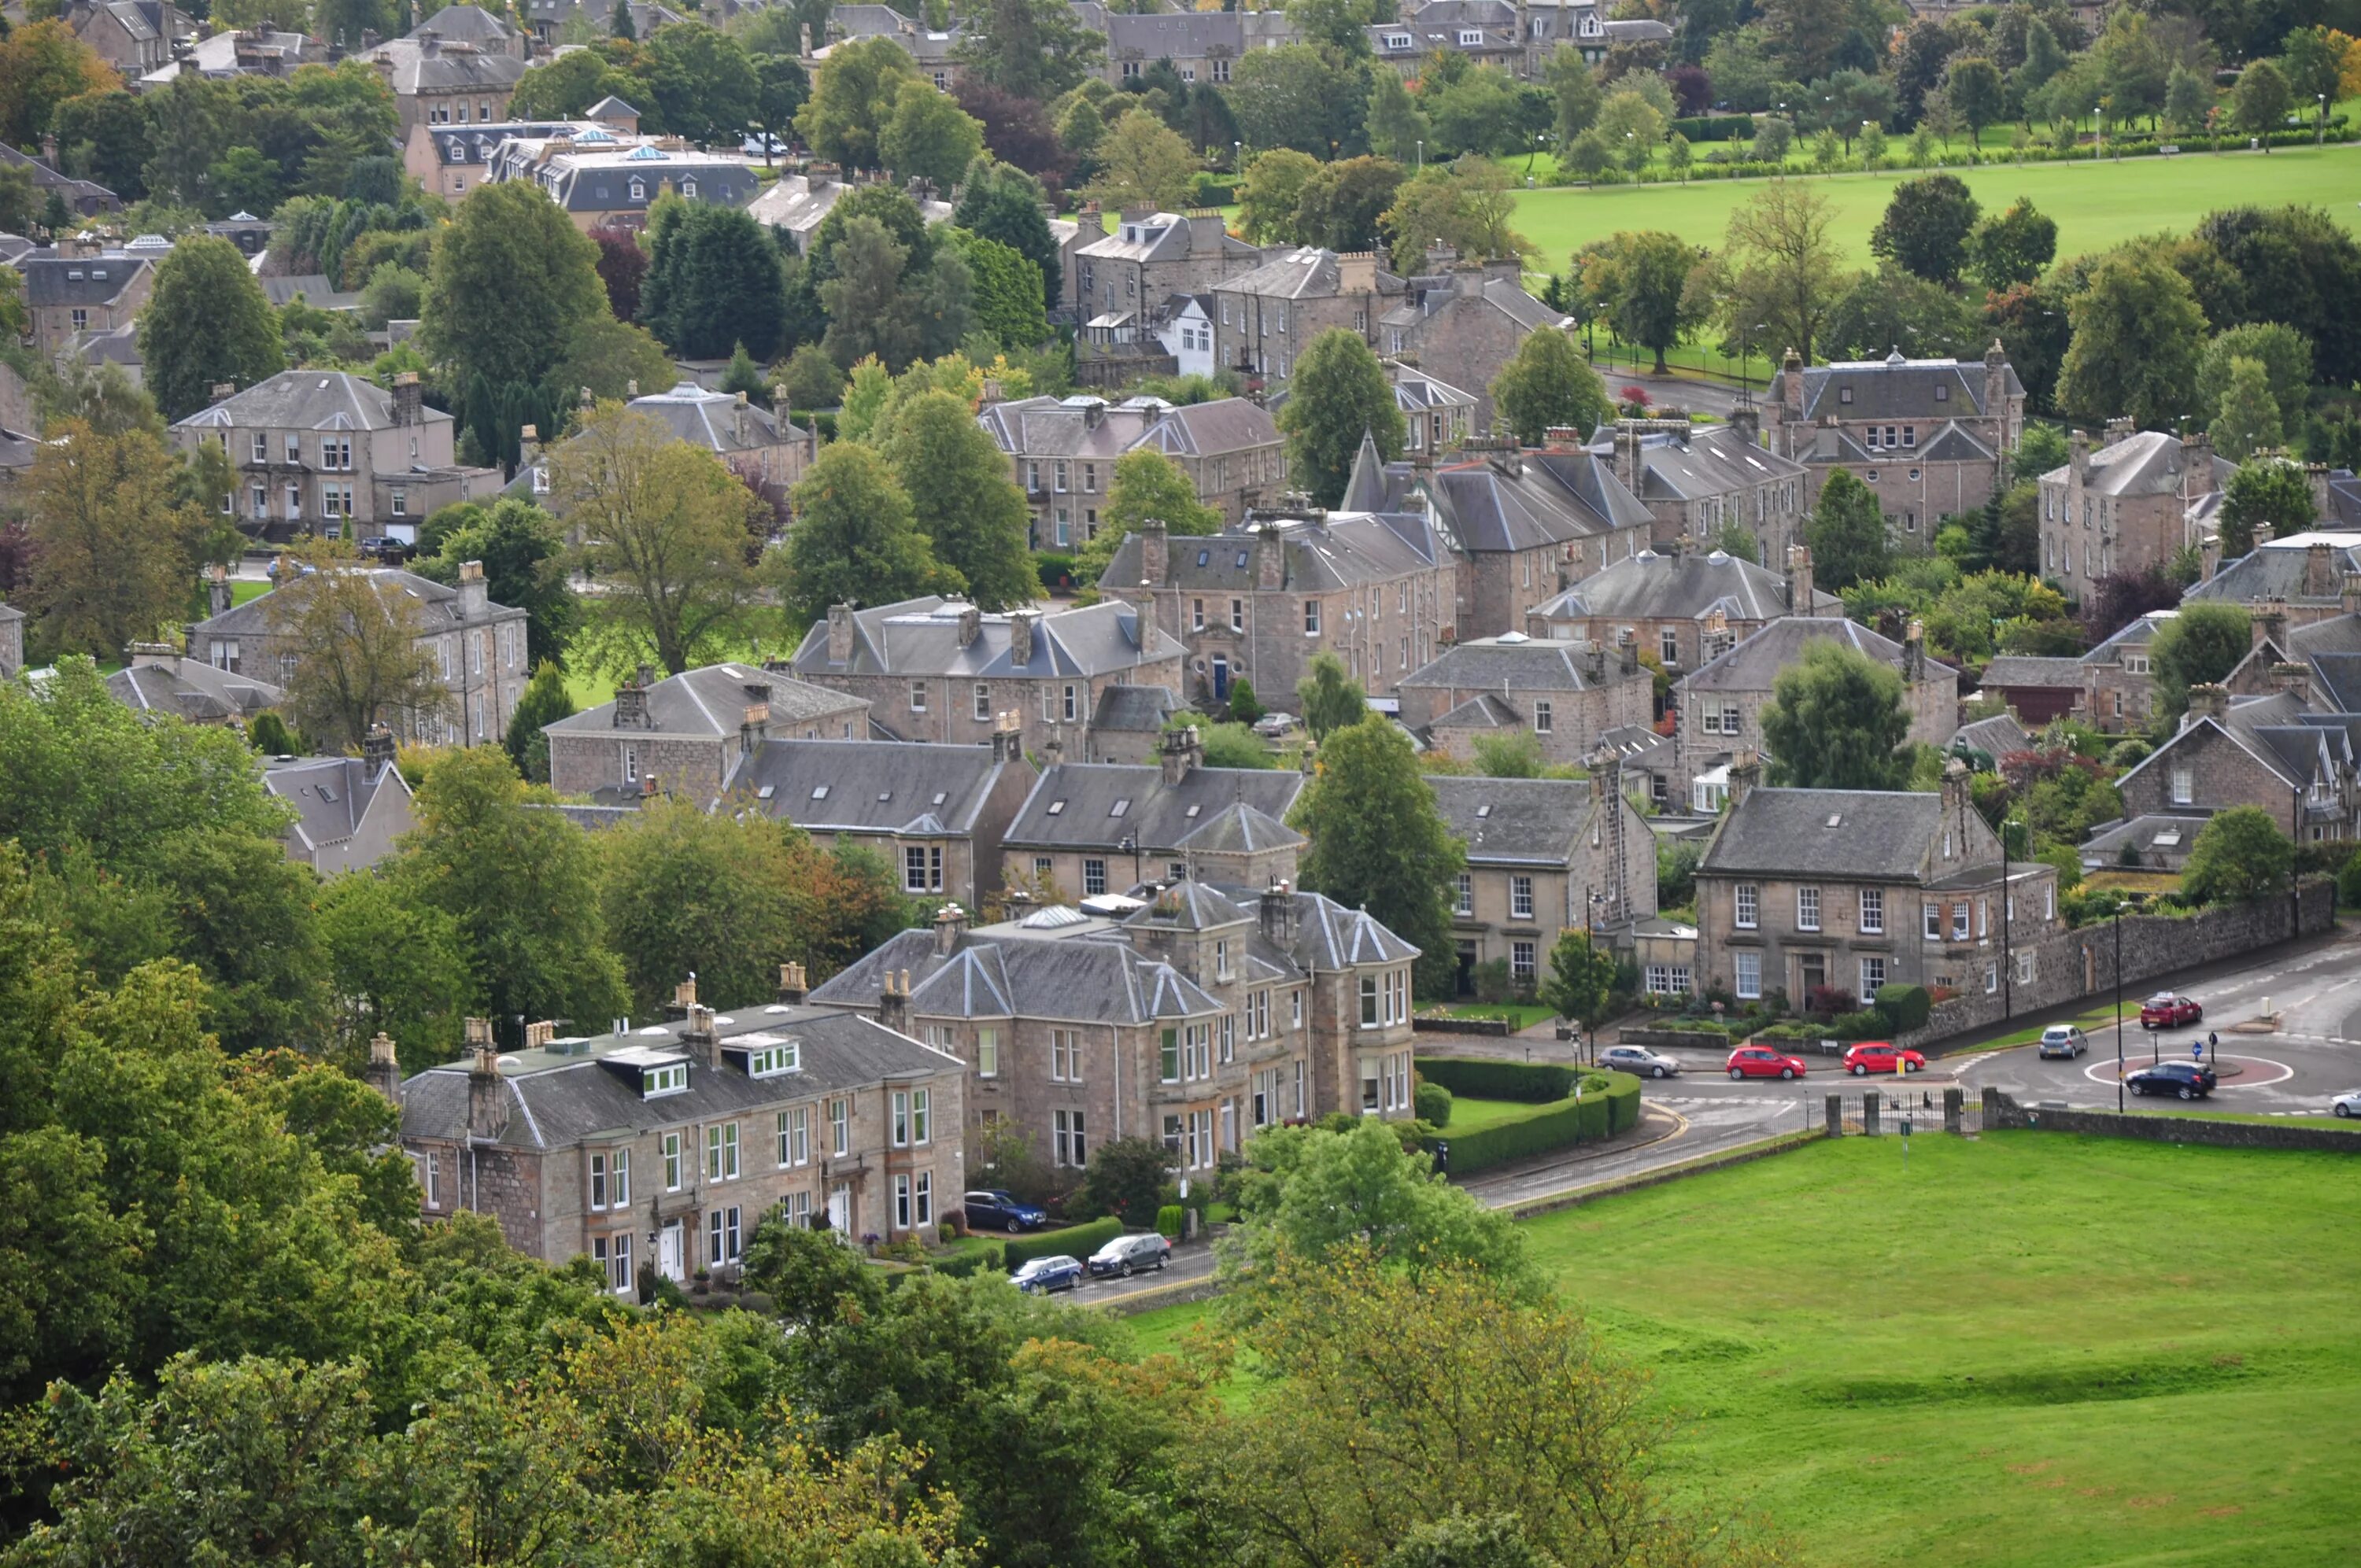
{"type": "Point", "coordinates": [1906, 1126]}
{"type": "Point", "coordinates": [2196, 1050]}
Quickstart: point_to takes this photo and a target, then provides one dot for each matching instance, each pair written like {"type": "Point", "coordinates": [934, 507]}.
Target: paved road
{"type": "Point", "coordinates": [1679, 392]}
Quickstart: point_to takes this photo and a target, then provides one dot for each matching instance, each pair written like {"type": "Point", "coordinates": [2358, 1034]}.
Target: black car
{"type": "Point", "coordinates": [994, 1210]}
{"type": "Point", "coordinates": [2186, 1079]}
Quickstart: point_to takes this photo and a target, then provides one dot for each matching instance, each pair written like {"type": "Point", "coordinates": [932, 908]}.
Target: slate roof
{"type": "Point", "coordinates": [2278, 570]}
{"type": "Point", "coordinates": [1195, 35]}
{"type": "Point", "coordinates": [1648, 587]}
{"type": "Point", "coordinates": [1239, 829]}
{"type": "Point", "coordinates": [1157, 236]}
{"type": "Point", "coordinates": [1514, 662]}
{"type": "Point", "coordinates": [53, 280]}
{"type": "Point", "coordinates": [2147, 463]}
{"type": "Point", "coordinates": [188, 688]}
{"type": "Point", "coordinates": [1710, 462]}
{"type": "Point", "coordinates": [1431, 294]}
{"type": "Point", "coordinates": [234, 53]}
{"type": "Point", "coordinates": [798, 204]}
{"type": "Point", "coordinates": [1996, 736]}
{"type": "Point", "coordinates": [1090, 979]}
{"type": "Point", "coordinates": [1894, 387]}
{"type": "Point", "coordinates": [1416, 392]}
{"type": "Point", "coordinates": [2271, 730]}
{"type": "Point", "coordinates": [305, 400]}
{"type": "Point", "coordinates": [2132, 635]}
{"type": "Point", "coordinates": [710, 701]}
{"type": "Point", "coordinates": [1306, 272]}
{"type": "Point", "coordinates": [714, 421]}
{"type": "Point", "coordinates": [1555, 498]}
{"type": "Point", "coordinates": [1482, 711]}
{"type": "Point", "coordinates": [2156, 836]}
{"type": "Point", "coordinates": [2028, 670]}
{"type": "Point", "coordinates": [476, 143]}
{"type": "Point", "coordinates": [1098, 804]}
{"type": "Point", "coordinates": [330, 794]}
{"type": "Point", "coordinates": [593, 179]}
{"type": "Point", "coordinates": [1086, 426]}
{"type": "Point", "coordinates": [558, 1098]}
{"type": "Point", "coordinates": [921, 637]}
{"type": "Point", "coordinates": [439, 607]}
{"type": "Point", "coordinates": [1866, 835]}
{"type": "Point", "coordinates": [1134, 709]}
{"type": "Point", "coordinates": [1755, 662]}
{"type": "Point", "coordinates": [318, 290]}
{"type": "Point", "coordinates": [1340, 550]}
{"type": "Point", "coordinates": [424, 63]}
{"type": "Point", "coordinates": [1513, 821]}
{"type": "Point", "coordinates": [869, 786]}
{"type": "Point", "coordinates": [465, 24]}
{"type": "Point", "coordinates": [1331, 937]}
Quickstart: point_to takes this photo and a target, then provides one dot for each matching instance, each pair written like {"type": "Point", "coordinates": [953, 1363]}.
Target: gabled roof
{"type": "Point", "coordinates": [1648, 587]}
{"type": "Point", "coordinates": [1717, 461]}
{"type": "Point", "coordinates": [1996, 736]}
{"type": "Point", "coordinates": [1756, 662]}
{"type": "Point", "coordinates": [2131, 636]}
{"type": "Point", "coordinates": [1340, 550]}
{"type": "Point", "coordinates": [1157, 236]}
{"type": "Point", "coordinates": [1088, 979]}
{"type": "Point", "coordinates": [1239, 829]}
{"type": "Point", "coordinates": [1513, 821]}
{"type": "Point", "coordinates": [1894, 388]}
{"type": "Point", "coordinates": [305, 400]}
{"type": "Point", "coordinates": [2145, 463]}
{"type": "Point", "coordinates": [921, 637]}
{"type": "Point", "coordinates": [1307, 272]}
{"type": "Point", "coordinates": [1434, 295]}
{"type": "Point", "coordinates": [1088, 426]}
{"type": "Point", "coordinates": [53, 280]}
{"type": "Point", "coordinates": [1543, 499]}
{"type": "Point", "coordinates": [1514, 662]}
{"type": "Point", "coordinates": [710, 701]}
{"type": "Point", "coordinates": [869, 786]}
{"type": "Point", "coordinates": [558, 1097]}
{"type": "Point", "coordinates": [330, 794]}
{"type": "Point", "coordinates": [1874, 834]}
{"type": "Point", "coordinates": [440, 609]}
{"type": "Point", "coordinates": [2164, 835]}
{"type": "Point", "coordinates": [2282, 569]}
{"type": "Point", "coordinates": [2268, 728]}
{"type": "Point", "coordinates": [719, 422]}
{"type": "Point", "coordinates": [185, 688]}
{"type": "Point", "coordinates": [1482, 711]}
{"type": "Point", "coordinates": [2029, 670]}
{"type": "Point", "coordinates": [423, 63]}
{"type": "Point", "coordinates": [1098, 804]}
{"type": "Point", "coordinates": [1134, 709]}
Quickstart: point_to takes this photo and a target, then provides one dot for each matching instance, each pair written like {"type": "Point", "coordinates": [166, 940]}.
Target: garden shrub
{"type": "Point", "coordinates": [1903, 1007]}
{"type": "Point", "coordinates": [1609, 1104]}
{"type": "Point", "coordinates": [973, 1260]}
{"type": "Point", "coordinates": [1170, 1223]}
{"type": "Point", "coordinates": [1074, 1240]}
{"type": "Point", "coordinates": [1432, 1103]}
{"type": "Point", "coordinates": [1489, 1077]}
{"type": "Point", "coordinates": [1859, 1026]}
{"type": "Point", "coordinates": [1492, 983]}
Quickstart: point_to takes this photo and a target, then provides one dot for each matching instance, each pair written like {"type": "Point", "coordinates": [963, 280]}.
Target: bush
{"type": "Point", "coordinates": [1432, 1102]}
{"type": "Point", "coordinates": [1170, 1223]}
{"type": "Point", "coordinates": [1716, 127]}
{"type": "Point", "coordinates": [1489, 1077]}
{"type": "Point", "coordinates": [1492, 983]}
{"type": "Point", "coordinates": [824, 418]}
{"type": "Point", "coordinates": [1074, 1240]}
{"type": "Point", "coordinates": [1609, 1104]}
{"type": "Point", "coordinates": [1860, 1026]}
{"type": "Point", "coordinates": [1903, 1007]}
{"type": "Point", "coordinates": [2348, 880]}
{"type": "Point", "coordinates": [1056, 571]}
{"type": "Point", "coordinates": [973, 1260]}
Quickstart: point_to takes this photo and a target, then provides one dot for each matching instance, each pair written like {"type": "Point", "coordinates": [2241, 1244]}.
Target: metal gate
{"type": "Point", "coordinates": [1877, 1112]}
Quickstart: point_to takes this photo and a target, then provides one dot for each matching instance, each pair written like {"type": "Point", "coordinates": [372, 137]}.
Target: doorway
{"type": "Point", "coordinates": [1466, 968]}
{"type": "Point", "coordinates": [669, 1262]}
{"type": "Point", "coordinates": [840, 1208]}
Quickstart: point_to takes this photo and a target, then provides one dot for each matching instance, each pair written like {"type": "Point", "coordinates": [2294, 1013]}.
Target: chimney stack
{"type": "Point", "coordinates": [684, 1000]}
{"type": "Point", "coordinates": [632, 700]}
{"type": "Point", "coordinates": [217, 594]}
{"type": "Point", "coordinates": [2350, 585]}
{"type": "Point", "coordinates": [894, 1002]}
{"type": "Point", "coordinates": [474, 596]}
{"type": "Point", "coordinates": [221, 389]}
{"type": "Point", "coordinates": [1799, 579]}
{"type": "Point", "coordinates": [971, 625]}
{"type": "Point", "coordinates": [488, 1100]}
{"type": "Point", "coordinates": [1154, 552]}
{"type": "Point", "coordinates": [700, 1037]}
{"type": "Point", "coordinates": [2319, 575]}
{"type": "Point", "coordinates": [409, 398]}
{"type": "Point", "coordinates": [2210, 701]}
{"type": "Point", "coordinates": [1914, 650]}
{"type": "Point", "coordinates": [377, 750]}
{"type": "Point", "coordinates": [1180, 751]}
{"type": "Point", "coordinates": [792, 989]}
{"type": "Point", "coordinates": [384, 1073]}
{"type": "Point", "coordinates": [951, 923]}
{"type": "Point", "coordinates": [839, 634]}
{"type": "Point", "coordinates": [1270, 559]}
{"type": "Point", "coordinates": [1748, 423]}
{"type": "Point", "coordinates": [1020, 637]}
{"type": "Point", "coordinates": [2294, 679]}
{"type": "Point", "coordinates": [1008, 735]}
{"type": "Point", "coordinates": [1277, 913]}
{"type": "Point", "coordinates": [2268, 617]}
{"type": "Point", "coordinates": [1745, 773]}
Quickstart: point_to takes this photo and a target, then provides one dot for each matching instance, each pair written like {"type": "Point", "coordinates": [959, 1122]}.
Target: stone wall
{"type": "Point", "coordinates": [2070, 965]}
{"type": "Point", "coordinates": [2003, 1112]}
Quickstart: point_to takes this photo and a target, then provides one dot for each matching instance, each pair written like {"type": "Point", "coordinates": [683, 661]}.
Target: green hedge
{"type": "Point", "coordinates": [1609, 1104]}
{"type": "Point", "coordinates": [1716, 127]}
{"type": "Point", "coordinates": [969, 1260]}
{"type": "Point", "coordinates": [1489, 1077]}
{"type": "Point", "coordinates": [1077, 1242]}
{"type": "Point", "coordinates": [1903, 1007]}
{"type": "Point", "coordinates": [1170, 1220]}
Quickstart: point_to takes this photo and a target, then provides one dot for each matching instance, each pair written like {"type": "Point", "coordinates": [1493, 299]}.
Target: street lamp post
{"type": "Point", "coordinates": [1421, 152]}
{"type": "Point", "coordinates": [2119, 1010]}
{"type": "Point", "coordinates": [2320, 126]}
{"type": "Point", "coordinates": [2098, 134]}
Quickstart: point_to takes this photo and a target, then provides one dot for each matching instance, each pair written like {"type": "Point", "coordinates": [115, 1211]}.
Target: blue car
{"type": "Point", "coordinates": [993, 1210]}
{"type": "Point", "coordinates": [1048, 1274]}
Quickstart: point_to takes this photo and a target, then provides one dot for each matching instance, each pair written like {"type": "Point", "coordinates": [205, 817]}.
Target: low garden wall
{"type": "Point", "coordinates": [1494, 1026]}
{"type": "Point", "coordinates": [2002, 1111]}
{"type": "Point", "coordinates": [1693, 1039]}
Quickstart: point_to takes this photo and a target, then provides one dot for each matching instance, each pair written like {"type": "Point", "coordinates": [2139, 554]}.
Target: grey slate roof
{"type": "Point", "coordinates": [557, 1098]}
{"type": "Point", "coordinates": [1088, 426]}
{"type": "Point", "coordinates": [1089, 979]}
{"type": "Point", "coordinates": [2029, 670]}
{"type": "Point", "coordinates": [1341, 550]}
{"type": "Point", "coordinates": [439, 607]}
{"type": "Point", "coordinates": [188, 688]}
{"type": "Point", "coordinates": [869, 786]}
{"type": "Point", "coordinates": [798, 204]}
{"type": "Point", "coordinates": [2147, 463]}
{"type": "Point", "coordinates": [53, 280]}
{"type": "Point", "coordinates": [1513, 821]}
{"type": "Point", "coordinates": [1195, 35]}
{"type": "Point", "coordinates": [330, 794]}
{"type": "Point", "coordinates": [590, 178]}
{"type": "Point", "coordinates": [711, 701]}
{"type": "Point", "coordinates": [2269, 728]}
{"type": "Point", "coordinates": [2278, 570]}
{"type": "Point", "coordinates": [476, 144]}
{"type": "Point", "coordinates": [1306, 272]}
{"type": "Point", "coordinates": [1868, 835]}
{"type": "Point", "coordinates": [466, 24]}
{"type": "Point", "coordinates": [1239, 829]}
{"type": "Point", "coordinates": [1894, 387]}
{"type": "Point", "coordinates": [305, 400]}
{"type": "Point", "coordinates": [714, 421]}
{"type": "Point", "coordinates": [1996, 736]}
{"type": "Point", "coordinates": [1430, 295]}
{"type": "Point", "coordinates": [1482, 711]}
{"type": "Point", "coordinates": [1648, 587]}
{"type": "Point", "coordinates": [2158, 836]}
{"type": "Point", "coordinates": [921, 637]}
{"type": "Point", "coordinates": [317, 290]}
{"type": "Point", "coordinates": [1514, 662]}
{"type": "Point", "coordinates": [423, 63]}
{"type": "Point", "coordinates": [1098, 804]}
{"type": "Point", "coordinates": [1756, 662]}
{"type": "Point", "coordinates": [1710, 462]}
{"type": "Point", "coordinates": [1157, 236]}
{"type": "Point", "coordinates": [1134, 709]}
{"type": "Point", "coordinates": [1553, 498]}
{"type": "Point", "coordinates": [2131, 636]}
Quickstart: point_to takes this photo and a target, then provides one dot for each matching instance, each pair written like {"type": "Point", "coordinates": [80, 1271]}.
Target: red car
{"type": "Point", "coordinates": [2167, 1011]}
{"type": "Point", "coordinates": [1756, 1061]}
{"type": "Point", "coordinates": [1880, 1056]}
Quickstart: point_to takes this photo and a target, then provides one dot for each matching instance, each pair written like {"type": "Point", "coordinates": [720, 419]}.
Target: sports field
{"type": "Point", "coordinates": [2026, 1349]}
{"type": "Point", "coordinates": [2096, 205]}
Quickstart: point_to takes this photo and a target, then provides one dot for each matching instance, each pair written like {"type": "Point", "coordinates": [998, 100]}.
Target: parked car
{"type": "Point", "coordinates": [2064, 1040]}
{"type": "Point", "coordinates": [1638, 1060]}
{"type": "Point", "coordinates": [2166, 1010]}
{"type": "Point", "coordinates": [993, 1210]}
{"type": "Point", "coordinates": [2348, 1103]}
{"type": "Point", "coordinates": [758, 145]}
{"type": "Point", "coordinates": [1044, 1275]}
{"type": "Point", "coordinates": [1127, 1256]}
{"type": "Point", "coordinates": [2186, 1079]}
{"type": "Point", "coordinates": [1757, 1061]}
{"type": "Point", "coordinates": [1881, 1056]}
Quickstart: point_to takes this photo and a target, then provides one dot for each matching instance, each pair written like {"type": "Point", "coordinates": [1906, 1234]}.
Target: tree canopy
{"type": "Point", "coordinates": [1837, 721]}
{"type": "Point", "coordinates": [1377, 841]}
{"type": "Point", "coordinates": [1338, 394]}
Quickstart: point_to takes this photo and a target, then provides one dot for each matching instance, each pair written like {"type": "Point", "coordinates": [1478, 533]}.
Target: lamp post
{"type": "Point", "coordinates": [2098, 135]}
{"type": "Point", "coordinates": [2320, 126]}
{"type": "Point", "coordinates": [2119, 1010]}
{"type": "Point", "coordinates": [1421, 153]}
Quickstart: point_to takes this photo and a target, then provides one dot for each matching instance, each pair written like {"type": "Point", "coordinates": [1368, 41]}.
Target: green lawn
{"type": "Point", "coordinates": [1519, 1014]}
{"type": "Point", "coordinates": [2096, 205]}
{"type": "Point", "coordinates": [240, 591]}
{"type": "Point", "coordinates": [1471, 1115]}
{"type": "Point", "coordinates": [2025, 1350]}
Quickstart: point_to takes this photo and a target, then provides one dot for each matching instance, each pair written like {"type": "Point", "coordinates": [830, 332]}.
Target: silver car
{"type": "Point", "coordinates": [2347, 1105]}
{"type": "Point", "coordinates": [1126, 1255]}
{"type": "Point", "coordinates": [2064, 1040]}
{"type": "Point", "coordinates": [1638, 1061]}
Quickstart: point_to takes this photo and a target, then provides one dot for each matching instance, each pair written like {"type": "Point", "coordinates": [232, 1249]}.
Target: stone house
{"type": "Point", "coordinates": [1436, 416]}
{"type": "Point", "coordinates": [12, 640]}
{"type": "Point", "coordinates": [2112, 688]}
{"type": "Point", "coordinates": [937, 669]}
{"type": "Point", "coordinates": [1685, 610]}
{"type": "Point", "coordinates": [1719, 704]}
{"type": "Point", "coordinates": [1482, 32]}
{"type": "Point", "coordinates": [2300, 579]}
{"type": "Point", "coordinates": [797, 204]}
{"type": "Point", "coordinates": [1697, 481]}
{"type": "Point", "coordinates": [690, 734]}
{"type": "Point", "coordinates": [348, 810]}
{"type": "Point", "coordinates": [604, 182]}
{"type": "Point", "coordinates": [479, 644]}
{"type": "Point", "coordinates": [2129, 505]}
{"type": "Point", "coordinates": [763, 448]}
{"type": "Point", "coordinates": [83, 288]}
{"type": "Point", "coordinates": [1377, 589]}
{"type": "Point", "coordinates": [1566, 693]}
{"type": "Point", "coordinates": [1465, 324]}
{"type": "Point", "coordinates": [1546, 25]}
{"type": "Point", "coordinates": [1545, 857]}
{"type": "Point", "coordinates": [1062, 453]}
{"type": "Point", "coordinates": [1929, 437]}
{"type": "Point", "coordinates": [1803, 891]}
{"type": "Point", "coordinates": [1522, 525]}
{"type": "Point", "coordinates": [85, 197]}
{"type": "Point", "coordinates": [159, 678]}
{"type": "Point", "coordinates": [247, 51]}
{"type": "Point", "coordinates": [327, 450]}
{"type": "Point", "coordinates": [935, 52]}
{"type": "Point", "coordinates": [445, 82]}
{"type": "Point", "coordinates": [451, 160]}
{"type": "Point", "coordinates": [1193, 1013]}
{"type": "Point", "coordinates": [2277, 751]}
{"type": "Point", "coordinates": [135, 37]}
{"type": "Point", "coordinates": [1266, 316]}
{"type": "Point", "coordinates": [1200, 46]}
{"type": "Point", "coordinates": [1095, 828]}
{"type": "Point", "coordinates": [935, 814]}
{"type": "Point", "coordinates": [665, 1146]}
{"type": "Point", "coordinates": [1151, 256]}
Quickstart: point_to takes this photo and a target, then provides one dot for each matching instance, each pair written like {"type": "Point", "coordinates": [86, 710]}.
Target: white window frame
{"type": "Point", "coordinates": [1808, 909]}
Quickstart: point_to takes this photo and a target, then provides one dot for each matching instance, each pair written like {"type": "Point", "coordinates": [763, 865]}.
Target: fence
{"type": "Point", "coordinates": [1879, 1113]}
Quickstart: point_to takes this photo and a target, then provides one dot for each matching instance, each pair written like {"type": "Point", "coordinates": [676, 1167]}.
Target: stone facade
{"type": "Point", "coordinates": [1929, 437]}
{"type": "Point", "coordinates": [1264, 318]}
{"type": "Point", "coordinates": [1463, 323]}
{"type": "Point", "coordinates": [2129, 505]}
{"type": "Point", "coordinates": [1695, 483]}
{"type": "Point", "coordinates": [1566, 693]}
{"type": "Point", "coordinates": [1148, 257]}
{"type": "Point", "coordinates": [86, 289]}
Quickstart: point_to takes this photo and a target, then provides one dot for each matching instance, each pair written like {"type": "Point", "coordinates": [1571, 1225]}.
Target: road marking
{"type": "Point", "coordinates": [2097, 1072]}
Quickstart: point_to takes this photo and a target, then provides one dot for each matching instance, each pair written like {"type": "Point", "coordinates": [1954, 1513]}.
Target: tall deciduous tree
{"type": "Point", "coordinates": [1547, 384]}
{"type": "Point", "coordinates": [113, 546]}
{"type": "Point", "coordinates": [1270, 192]}
{"type": "Point", "coordinates": [2239, 856]}
{"type": "Point", "coordinates": [1642, 276]}
{"type": "Point", "coordinates": [852, 99]}
{"type": "Point", "coordinates": [1330, 699]}
{"type": "Point", "coordinates": [1033, 49]}
{"type": "Point", "coordinates": [2265, 491]}
{"type": "Point", "coordinates": [1338, 392]}
{"type": "Point", "coordinates": [2012, 247]}
{"type": "Point", "coordinates": [962, 497]}
{"type": "Point", "coordinates": [207, 323]}
{"type": "Point", "coordinates": [2137, 335]}
{"type": "Point", "coordinates": [1340, 205]}
{"type": "Point", "coordinates": [41, 66]}
{"type": "Point", "coordinates": [1575, 87]}
{"type": "Point", "coordinates": [1378, 842]}
{"type": "Point", "coordinates": [396, 966]}
{"type": "Point", "coordinates": [2285, 354]}
{"type": "Point", "coordinates": [2246, 420]}
{"type": "Point", "coordinates": [2260, 102]}
{"type": "Point", "coordinates": [523, 551]}
{"type": "Point", "coordinates": [1146, 485]}
{"type": "Point", "coordinates": [545, 702]}
{"type": "Point", "coordinates": [854, 541]}
{"type": "Point", "coordinates": [511, 281]}
{"type": "Point", "coordinates": [713, 282]}
{"type": "Point", "coordinates": [1926, 227]}
{"type": "Point", "coordinates": [1835, 720]}
{"type": "Point", "coordinates": [1143, 162]}
{"type": "Point", "coordinates": [361, 651]}
{"type": "Point", "coordinates": [672, 533]}
{"type": "Point", "coordinates": [1581, 977]}
{"type": "Point", "coordinates": [1977, 93]}
{"type": "Point", "coordinates": [1004, 203]}
{"type": "Point", "coordinates": [1847, 532]}
{"type": "Point", "coordinates": [1005, 290]}
{"type": "Point", "coordinates": [928, 137]}
{"type": "Point", "coordinates": [522, 886]}
{"type": "Point", "coordinates": [1787, 271]}
{"type": "Point", "coordinates": [700, 82]}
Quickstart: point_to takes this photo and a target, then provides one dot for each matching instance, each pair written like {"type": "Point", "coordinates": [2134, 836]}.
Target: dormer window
{"type": "Point", "coordinates": [688, 188]}
{"type": "Point", "coordinates": [638, 190]}
{"type": "Point", "coordinates": [670, 1079]}
{"type": "Point", "coordinates": [1398, 40]}
{"type": "Point", "coordinates": [1471, 38]}
{"type": "Point", "coordinates": [777, 1057]}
